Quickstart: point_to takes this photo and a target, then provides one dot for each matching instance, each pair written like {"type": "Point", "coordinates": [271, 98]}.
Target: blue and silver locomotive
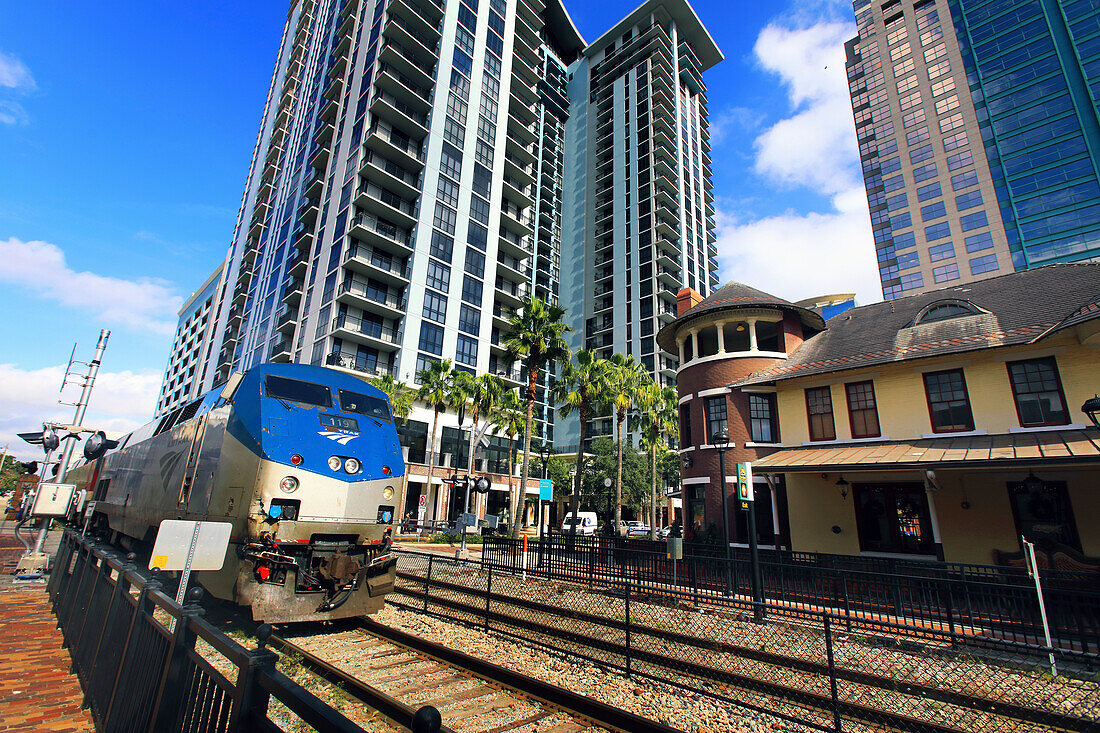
{"type": "Point", "coordinates": [303, 461]}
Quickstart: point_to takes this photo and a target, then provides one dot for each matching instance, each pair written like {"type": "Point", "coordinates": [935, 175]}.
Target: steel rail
{"type": "Point", "coordinates": [372, 697]}
{"type": "Point", "coordinates": [782, 692]}
{"type": "Point", "coordinates": [1001, 708]}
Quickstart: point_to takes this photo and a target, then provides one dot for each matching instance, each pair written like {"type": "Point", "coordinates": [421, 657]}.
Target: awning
{"type": "Point", "coordinates": [1073, 447]}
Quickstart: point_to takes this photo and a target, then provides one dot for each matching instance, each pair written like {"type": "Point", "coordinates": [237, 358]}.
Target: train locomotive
{"type": "Point", "coordinates": [304, 462]}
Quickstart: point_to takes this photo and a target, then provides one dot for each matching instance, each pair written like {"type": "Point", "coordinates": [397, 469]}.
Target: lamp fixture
{"type": "Point", "coordinates": [1092, 409]}
{"type": "Point", "coordinates": [740, 326]}
{"type": "Point", "coordinates": [843, 486]}
{"type": "Point", "coordinates": [1033, 484]}
{"type": "Point", "coordinates": [721, 439]}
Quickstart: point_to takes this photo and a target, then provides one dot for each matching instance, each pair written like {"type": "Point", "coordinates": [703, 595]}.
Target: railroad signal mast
{"type": "Point", "coordinates": [35, 561]}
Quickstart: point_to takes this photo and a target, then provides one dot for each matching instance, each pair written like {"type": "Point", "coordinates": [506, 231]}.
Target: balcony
{"type": "Point", "coordinates": [359, 365]}
{"type": "Point", "coordinates": [386, 205]}
{"type": "Point", "coordinates": [512, 268]}
{"type": "Point", "coordinates": [404, 88]}
{"type": "Point", "coordinates": [307, 214]}
{"type": "Point", "coordinates": [324, 134]}
{"type": "Point", "coordinates": [395, 146]}
{"type": "Point", "coordinates": [339, 66]}
{"type": "Point", "coordinates": [366, 332]}
{"type": "Point", "coordinates": [334, 89]}
{"type": "Point", "coordinates": [516, 222]}
{"type": "Point", "coordinates": [518, 170]}
{"type": "Point", "coordinates": [421, 72]}
{"type": "Point", "coordinates": [515, 245]}
{"type": "Point", "coordinates": [668, 264]}
{"type": "Point", "coordinates": [292, 291]}
{"type": "Point", "coordinates": [500, 368]}
{"type": "Point", "coordinates": [297, 267]}
{"type": "Point", "coordinates": [414, 22]}
{"type": "Point", "coordinates": [395, 29]}
{"type": "Point", "coordinates": [521, 152]}
{"type": "Point", "coordinates": [304, 242]}
{"type": "Point", "coordinates": [381, 233]}
{"type": "Point", "coordinates": [372, 299]}
{"type": "Point", "coordinates": [517, 192]}
{"type": "Point", "coordinates": [400, 115]}
{"type": "Point", "coordinates": [666, 294]}
{"type": "Point", "coordinates": [377, 264]}
{"type": "Point", "coordinates": [670, 246]}
{"type": "Point", "coordinates": [282, 350]}
{"type": "Point", "coordinates": [319, 159]}
{"type": "Point", "coordinates": [392, 175]}
{"type": "Point", "coordinates": [511, 294]}
{"type": "Point", "coordinates": [286, 319]}
{"type": "Point", "coordinates": [666, 314]}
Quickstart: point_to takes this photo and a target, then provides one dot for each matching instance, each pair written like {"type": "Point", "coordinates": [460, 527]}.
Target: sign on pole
{"type": "Point", "coordinates": [744, 483]}
{"type": "Point", "coordinates": [546, 490]}
{"type": "Point", "coordinates": [186, 546]}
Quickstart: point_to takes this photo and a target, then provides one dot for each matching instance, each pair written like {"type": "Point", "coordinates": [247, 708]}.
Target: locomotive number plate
{"type": "Point", "coordinates": [335, 422]}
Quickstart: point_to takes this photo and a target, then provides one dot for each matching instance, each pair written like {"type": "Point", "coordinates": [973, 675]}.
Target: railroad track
{"type": "Point", "coordinates": [396, 673]}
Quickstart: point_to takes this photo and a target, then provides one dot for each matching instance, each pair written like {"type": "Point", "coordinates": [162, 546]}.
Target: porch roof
{"type": "Point", "coordinates": [1074, 447]}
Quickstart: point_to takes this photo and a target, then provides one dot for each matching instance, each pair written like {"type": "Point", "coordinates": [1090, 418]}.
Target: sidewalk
{"type": "Point", "coordinates": [37, 693]}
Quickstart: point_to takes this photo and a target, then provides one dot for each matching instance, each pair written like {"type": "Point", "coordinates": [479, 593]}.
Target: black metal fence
{"type": "Point", "coordinates": [811, 670]}
{"type": "Point", "coordinates": [148, 664]}
{"type": "Point", "coordinates": [968, 605]}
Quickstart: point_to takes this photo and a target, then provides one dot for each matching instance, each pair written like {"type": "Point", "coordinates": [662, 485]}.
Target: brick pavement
{"type": "Point", "coordinates": [37, 693]}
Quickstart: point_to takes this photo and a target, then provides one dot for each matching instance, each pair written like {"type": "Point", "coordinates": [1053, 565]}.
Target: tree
{"type": "Point", "coordinates": [625, 378]}
{"type": "Point", "coordinates": [509, 420]}
{"type": "Point", "coordinates": [482, 395]}
{"type": "Point", "coordinates": [436, 386]}
{"type": "Point", "coordinates": [535, 334]}
{"type": "Point", "coordinates": [400, 394]}
{"type": "Point", "coordinates": [603, 464]}
{"type": "Point", "coordinates": [658, 407]}
{"type": "Point", "coordinates": [581, 386]}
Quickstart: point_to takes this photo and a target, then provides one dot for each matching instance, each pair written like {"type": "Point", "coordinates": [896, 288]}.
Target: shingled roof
{"type": "Point", "coordinates": [1017, 308]}
{"type": "Point", "coordinates": [736, 295]}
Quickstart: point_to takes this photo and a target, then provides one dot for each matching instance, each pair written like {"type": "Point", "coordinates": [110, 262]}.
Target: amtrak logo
{"type": "Point", "coordinates": [341, 438]}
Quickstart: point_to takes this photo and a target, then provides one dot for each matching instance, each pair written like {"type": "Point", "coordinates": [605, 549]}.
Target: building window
{"type": "Point", "coordinates": [435, 306]}
{"type": "Point", "coordinates": [819, 409]}
{"type": "Point", "coordinates": [862, 410]}
{"type": "Point", "coordinates": [685, 425]}
{"type": "Point", "coordinates": [1043, 514]}
{"type": "Point", "coordinates": [948, 403]}
{"type": "Point", "coordinates": [466, 352]}
{"type": "Point", "coordinates": [946, 273]}
{"type": "Point", "coordinates": [762, 418]}
{"type": "Point", "coordinates": [716, 417]}
{"type": "Point", "coordinates": [983, 264]}
{"type": "Point", "coordinates": [431, 338]}
{"type": "Point", "coordinates": [1038, 392]}
{"type": "Point", "coordinates": [893, 518]}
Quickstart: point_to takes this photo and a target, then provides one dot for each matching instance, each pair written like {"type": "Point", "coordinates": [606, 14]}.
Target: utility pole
{"type": "Point", "coordinates": [81, 405]}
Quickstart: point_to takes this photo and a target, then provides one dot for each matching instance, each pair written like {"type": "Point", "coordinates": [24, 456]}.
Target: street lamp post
{"type": "Point", "coordinates": [721, 441]}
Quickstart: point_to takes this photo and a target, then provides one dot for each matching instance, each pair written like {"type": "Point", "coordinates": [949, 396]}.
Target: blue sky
{"type": "Point", "coordinates": [127, 128]}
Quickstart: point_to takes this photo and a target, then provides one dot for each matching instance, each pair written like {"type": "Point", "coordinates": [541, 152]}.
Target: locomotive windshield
{"type": "Point", "coordinates": [364, 404]}
{"type": "Point", "coordinates": [295, 390]}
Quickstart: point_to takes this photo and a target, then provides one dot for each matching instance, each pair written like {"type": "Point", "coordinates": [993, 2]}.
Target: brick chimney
{"type": "Point", "coordinates": [686, 299]}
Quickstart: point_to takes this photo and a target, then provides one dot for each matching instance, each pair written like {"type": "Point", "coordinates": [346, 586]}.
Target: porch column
{"type": "Point", "coordinates": [694, 343]}
{"type": "Point", "coordinates": [930, 493]}
{"type": "Point", "coordinates": [752, 334]}
{"type": "Point", "coordinates": [680, 346]}
{"type": "Point", "coordinates": [721, 337]}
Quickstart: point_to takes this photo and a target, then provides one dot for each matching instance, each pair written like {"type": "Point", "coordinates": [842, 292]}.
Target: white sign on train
{"type": "Point", "coordinates": [204, 542]}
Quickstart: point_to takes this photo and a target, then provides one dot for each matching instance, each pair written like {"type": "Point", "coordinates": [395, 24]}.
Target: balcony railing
{"type": "Point", "coordinates": [374, 295]}
{"type": "Point", "coordinates": [356, 362]}
{"type": "Point", "coordinates": [367, 328]}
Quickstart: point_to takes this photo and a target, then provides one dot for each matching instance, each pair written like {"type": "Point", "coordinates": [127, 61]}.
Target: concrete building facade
{"type": "Point", "coordinates": [187, 364]}
{"type": "Point", "coordinates": [978, 134]}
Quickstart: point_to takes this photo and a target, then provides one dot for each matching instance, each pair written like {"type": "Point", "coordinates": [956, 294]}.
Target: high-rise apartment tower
{"type": "Point", "coordinates": [423, 165]}
{"type": "Point", "coordinates": [187, 364]}
{"type": "Point", "coordinates": [979, 135]}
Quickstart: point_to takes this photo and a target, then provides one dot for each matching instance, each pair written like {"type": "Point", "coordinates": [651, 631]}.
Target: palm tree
{"type": "Point", "coordinates": [400, 394]}
{"type": "Point", "coordinates": [436, 385]}
{"type": "Point", "coordinates": [536, 334]}
{"type": "Point", "coordinates": [510, 420]}
{"type": "Point", "coordinates": [659, 413]}
{"type": "Point", "coordinates": [581, 386]}
{"type": "Point", "coordinates": [626, 376]}
{"type": "Point", "coordinates": [482, 396]}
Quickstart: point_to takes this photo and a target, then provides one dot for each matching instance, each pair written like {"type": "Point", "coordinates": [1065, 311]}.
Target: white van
{"type": "Point", "coordinates": [588, 523]}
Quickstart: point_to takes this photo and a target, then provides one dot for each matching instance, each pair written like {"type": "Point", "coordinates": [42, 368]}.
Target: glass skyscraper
{"type": "Point", "coordinates": [978, 134]}
{"type": "Point", "coordinates": [423, 165]}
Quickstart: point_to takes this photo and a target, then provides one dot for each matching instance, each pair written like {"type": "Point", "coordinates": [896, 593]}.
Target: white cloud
{"type": "Point", "coordinates": [14, 74]}
{"type": "Point", "coordinates": [145, 303]}
{"type": "Point", "coordinates": [120, 402]}
{"type": "Point", "coordinates": [799, 254]}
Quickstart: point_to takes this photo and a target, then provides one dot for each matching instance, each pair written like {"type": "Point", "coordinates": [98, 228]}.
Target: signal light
{"type": "Point", "coordinates": [386, 470]}
{"type": "Point", "coordinates": [264, 572]}
{"type": "Point", "coordinates": [296, 459]}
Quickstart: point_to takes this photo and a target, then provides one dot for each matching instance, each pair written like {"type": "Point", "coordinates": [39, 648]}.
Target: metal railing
{"type": "Point", "coordinates": [147, 663]}
{"type": "Point", "coordinates": [967, 605]}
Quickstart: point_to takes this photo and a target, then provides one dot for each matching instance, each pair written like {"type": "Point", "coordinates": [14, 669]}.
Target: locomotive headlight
{"type": "Point", "coordinates": [351, 465]}
{"type": "Point", "coordinates": [334, 462]}
{"type": "Point", "coordinates": [387, 493]}
{"type": "Point", "coordinates": [289, 484]}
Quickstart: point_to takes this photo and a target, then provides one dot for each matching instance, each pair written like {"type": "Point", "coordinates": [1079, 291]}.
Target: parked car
{"type": "Point", "coordinates": [637, 529]}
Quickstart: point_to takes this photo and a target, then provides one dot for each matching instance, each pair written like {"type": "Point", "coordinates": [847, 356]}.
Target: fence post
{"type": "Point", "coordinates": [143, 610]}
{"type": "Point", "coordinates": [170, 692]}
{"type": "Point", "coordinates": [695, 580]}
{"type": "Point", "coordinates": [488, 592]}
{"type": "Point", "coordinates": [250, 699]}
{"type": "Point", "coordinates": [428, 581]}
{"type": "Point", "coordinates": [628, 650]}
{"type": "Point", "coordinates": [832, 670]}
{"type": "Point", "coordinates": [847, 604]}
